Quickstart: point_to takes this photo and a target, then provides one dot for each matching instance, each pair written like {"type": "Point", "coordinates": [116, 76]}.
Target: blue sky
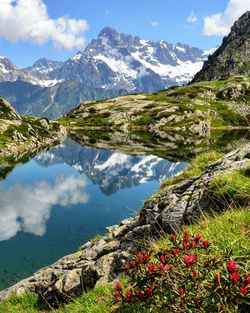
{"type": "Point", "coordinates": [57, 29]}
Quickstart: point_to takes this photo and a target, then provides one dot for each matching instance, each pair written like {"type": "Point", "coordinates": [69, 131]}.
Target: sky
{"type": "Point", "coordinates": [57, 29]}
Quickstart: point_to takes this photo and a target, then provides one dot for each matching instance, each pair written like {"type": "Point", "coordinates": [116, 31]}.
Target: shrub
{"type": "Point", "coordinates": [184, 277]}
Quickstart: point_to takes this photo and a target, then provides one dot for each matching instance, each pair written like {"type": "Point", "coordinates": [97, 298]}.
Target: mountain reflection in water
{"type": "Point", "coordinates": [55, 201]}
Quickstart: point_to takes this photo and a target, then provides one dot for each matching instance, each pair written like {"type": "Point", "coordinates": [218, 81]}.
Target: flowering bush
{"type": "Point", "coordinates": [186, 278]}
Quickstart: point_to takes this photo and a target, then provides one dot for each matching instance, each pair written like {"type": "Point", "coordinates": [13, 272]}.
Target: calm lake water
{"type": "Point", "coordinates": [63, 197]}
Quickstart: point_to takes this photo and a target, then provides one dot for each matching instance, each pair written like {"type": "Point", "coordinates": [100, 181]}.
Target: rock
{"type": "Point", "coordinates": [232, 57]}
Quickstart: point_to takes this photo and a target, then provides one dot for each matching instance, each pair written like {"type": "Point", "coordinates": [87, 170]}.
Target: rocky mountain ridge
{"type": "Point", "coordinates": [121, 61]}
{"type": "Point", "coordinates": [232, 57]}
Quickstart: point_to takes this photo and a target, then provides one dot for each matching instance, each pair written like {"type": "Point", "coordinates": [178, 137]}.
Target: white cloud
{"type": "Point", "coordinates": [27, 208]}
{"type": "Point", "coordinates": [28, 20]}
{"type": "Point", "coordinates": [220, 23]}
{"type": "Point", "coordinates": [192, 18]}
{"type": "Point", "coordinates": [153, 23]}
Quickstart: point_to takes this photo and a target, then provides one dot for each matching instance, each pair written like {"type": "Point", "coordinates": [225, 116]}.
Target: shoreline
{"type": "Point", "coordinates": [100, 261]}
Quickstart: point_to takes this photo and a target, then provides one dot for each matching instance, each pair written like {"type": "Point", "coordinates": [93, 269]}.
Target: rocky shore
{"type": "Point", "coordinates": [100, 261]}
{"type": "Point", "coordinates": [26, 134]}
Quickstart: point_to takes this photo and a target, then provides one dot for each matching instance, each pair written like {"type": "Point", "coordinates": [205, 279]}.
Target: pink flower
{"type": "Point", "coordinates": [189, 259]}
{"type": "Point", "coordinates": [132, 264]}
{"type": "Point", "coordinates": [247, 280]}
{"type": "Point", "coordinates": [184, 245]}
{"type": "Point", "coordinates": [137, 293]}
{"type": "Point", "coordinates": [148, 291]}
{"type": "Point", "coordinates": [198, 237]}
{"type": "Point", "coordinates": [128, 295]}
{"type": "Point", "coordinates": [161, 267]}
{"type": "Point", "coordinates": [232, 266]}
{"type": "Point", "coordinates": [162, 257]}
{"type": "Point", "coordinates": [196, 301]}
{"type": "Point", "coordinates": [205, 243]}
{"type": "Point", "coordinates": [146, 258]}
{"type": "Point", "coordinates": [182, 292]}
{"type": "Point", "coordinates": [151, 268]}
{"type": "Point", "coordinates": [195, 274]}
{"type": "Point", "coordinates": [235, 278]}
{"type": "Point", "coordinates": [243, 290]}
{"type": "Point", "coordinates": [192, 244]}
{"type": "Point", "coordinates": [118, 286]}
{"type": "Point", "coordinates": [140, 257]}
{"type": "Point", "coordinates": [175, 252]}
{"type": "Point", "coordinates": [117, 295]}
{"type": "Point", "coordinates": [186, 236]}
{"type": "Point", "coordinates": [168, 267]}
{"type": "Point", "coordinates": [217, 278]}
{"type": "Point", "coordinates": [172, 238]}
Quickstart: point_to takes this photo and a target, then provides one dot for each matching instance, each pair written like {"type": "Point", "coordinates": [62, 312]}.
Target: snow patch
{"type": "Point", "coordinates": [77, 57]}
{"type": "Point", "coordinates": [180, 49]}
{"type": "Point", "coordinates": [114, 160]}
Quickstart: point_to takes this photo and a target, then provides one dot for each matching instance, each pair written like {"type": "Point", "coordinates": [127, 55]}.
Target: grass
{"type": "Point", "coordinates": [196, 167]}
{"type": "Point", "coordinates": [227, 231]}
{"type": "Point", "coordinates": [232, 188]}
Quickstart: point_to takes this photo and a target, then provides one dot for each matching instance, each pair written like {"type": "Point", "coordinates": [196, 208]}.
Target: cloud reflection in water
{"type": "Point", "coordinates": [27, 208]}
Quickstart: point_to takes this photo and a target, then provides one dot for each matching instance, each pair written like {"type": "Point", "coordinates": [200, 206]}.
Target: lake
{"type": "Point", "coordinates": [53, 202]}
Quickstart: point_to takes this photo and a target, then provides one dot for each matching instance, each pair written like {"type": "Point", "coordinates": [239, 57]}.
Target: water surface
{"type": "Point", "coordinates": [62, 197]}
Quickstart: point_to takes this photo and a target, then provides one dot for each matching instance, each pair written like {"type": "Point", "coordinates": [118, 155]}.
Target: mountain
{"type": "Point", "coordinates": [51, 102]}
{"type": "Point", "coordinates": [11, 72]}
{"type": "Point", "coordinates": [35, 75]}
{"type": "Point", "coordinates": [111, 65]}
{"type": "Point", "coordinates": [218, 97]}
{"type": "Point", "coordinates": [232, 57]}
{"type": "Point", "coordinates": [121, 61]}
{"type": "Point", "coordinates": [43, 67]}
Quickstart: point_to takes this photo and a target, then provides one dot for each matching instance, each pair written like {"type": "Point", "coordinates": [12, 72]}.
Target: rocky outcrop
{"type": "Point", "coordinates": [232, 57]}
{"type": "Point", "coordinates": [21, 134]}
{"type": "Point", "coordinates": [101, 261]}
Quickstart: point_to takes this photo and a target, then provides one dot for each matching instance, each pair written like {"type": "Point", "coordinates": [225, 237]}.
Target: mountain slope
{"type": "Point", "coordinates": [51, 102]}
{"type": "Point", "coordinates": [43, 67]}
{"type": "Point", "coordinates": [232, 57]}
{"type": "Point", "coordinates": [20, 134]}
{"type": "Point", "coordinates": [192, 108]}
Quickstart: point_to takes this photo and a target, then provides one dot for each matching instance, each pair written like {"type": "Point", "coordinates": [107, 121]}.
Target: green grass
{"type": "Point", "coordinates": [227, 231]}
{"type": "Point", "coordinates": [232, 188]}
{"type": "Point", "coordinates": [96, 238]}
{"type": "Point", "coordinates": [196, 167]}
{"type": "Point", "coordinates": [23, 304]}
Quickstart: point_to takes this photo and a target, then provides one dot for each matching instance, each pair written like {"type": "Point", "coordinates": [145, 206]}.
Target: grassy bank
{"type": "Point", "coordinates": [229, 231]}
